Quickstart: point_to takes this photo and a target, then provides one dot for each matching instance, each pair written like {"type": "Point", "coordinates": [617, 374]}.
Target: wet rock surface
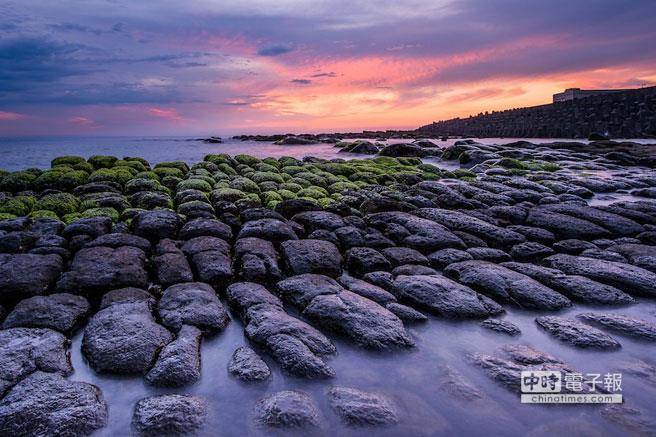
{"type": "Point", "coordinates": [621, 324]}
{"type": "Point", "coordinates": [193, 303]}
{"type": "Point", "coordinates": [577, 334]}
{"type": "Point", "coordinates": [247, 366]}
{"type": "Point", "coordinates": [359, 408]}
{"type": "Point", "coordinates": [178, 363]}
{"type": "Point", "coordinates": [61, 312]}
{"type": "Point", "coordinates": [169, 415]}
{"type": "Point", "coordinates": [288, 410]}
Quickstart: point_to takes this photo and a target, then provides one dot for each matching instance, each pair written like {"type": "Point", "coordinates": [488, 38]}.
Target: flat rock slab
{"type": "Point", "coordinates": [366, 289]}
{"type": "Point", "coordinates": [26, 350]}
{"type": "Point", "coordinates": [256, 260]}
{"type": "Point", "coordinates": [157, 224]}
{"type": "Point", "coordinates": [169, 415]}
{"type": "Point", "coordinates": [360, 408]}
{"type": "Point", "coordinates": [628, 278]}
{"type": "Point", "coordinates": [501, 326]}
{"type": "Point", "coordinates": [205, 227]}
{"type": "Point", "coordinates": [26, 275]}
{"type": "Point", "coordinates": [61, 312]}
{"type": "Point", "coordinates": [124, 338]}
{"type": "Point", "coordinates": [362, 260]}
{"type": "Point", "coordinates": [505, 285]}
{"type": "Point", "coordinates": [270, 229]}
{"type": "Point", "coordinates": [576, 333]}
{"type": "Point", "coordinates": [312, 256]}
{"type": "Point", "coordinates": [170, 265]}
{"type": "Point", "coordinates": [626, 325]}
{"type": "Point", "coordinates": [246, 365]}
{"type": "Point", "coordinates": [405, 313]}
{"type": "Point", "coordinates": [192, 303]}
{"type": "Point", "coordinates": [289, 409]}
{"type": "Point", "coordinates": [46, 404]}
{"type": "Point", "coordinates": [443, 297]}
{"type": "Point", "coordinates": [210, 257]}
{"type": "Point", "coordinates": [98, 269]}
{"type": "Point", "coordinates": [565, 226]}
{"type": "Point", "coordinates": [178, 364]}
{"type": "Point", "coordinates": [127, 295]}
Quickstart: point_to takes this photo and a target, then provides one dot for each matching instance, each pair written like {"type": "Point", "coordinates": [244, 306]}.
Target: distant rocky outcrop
{"type": "Point", "coordinates": [630, 114]}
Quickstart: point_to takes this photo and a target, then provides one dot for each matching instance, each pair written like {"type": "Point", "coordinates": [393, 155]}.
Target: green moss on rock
{"type": "Point", "coordinates": [60, 203]}
{"type": "Point", "coordinates": [18, 181]}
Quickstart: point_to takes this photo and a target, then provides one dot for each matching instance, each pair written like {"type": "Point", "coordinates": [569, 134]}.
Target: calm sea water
{"type": "Point", "coordinates": [24, 152]}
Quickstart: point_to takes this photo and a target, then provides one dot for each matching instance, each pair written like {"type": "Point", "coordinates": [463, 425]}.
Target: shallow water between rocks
{"type": "Point", "coordinates": [411, 378]}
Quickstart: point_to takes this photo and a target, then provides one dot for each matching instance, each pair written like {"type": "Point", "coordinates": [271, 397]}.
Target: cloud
{"type": "Point", "coordinates": [11, 116]}
{"type": "Point", "coordinates": [274, 50]}
{"type": "Point", "coordinates": [328, 74]}
{"type": "Point", "coordinates": [301, 81]}
{"type": "Point", "coordinates": [166, 113]}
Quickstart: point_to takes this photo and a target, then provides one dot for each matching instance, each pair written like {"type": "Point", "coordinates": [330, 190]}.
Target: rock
{"type": "Point", "coordinates": [577, 288]}
{"type": "Point", "coordinates": [119, 239]}
{"type": "Point", "coordinates": [26, 350]}
{"type": "Point", "coordinates": [442, 296]}
{"type": "Point", "coordinates": [442, 258]}
{"type": "Point", "coordinates": [192, 303]}
{"type": "Point", "coordinates": [124, 338]}
{"type": "Point", "coordinates": [359, 408]}
{"type": "Point", "coordinates": [211, 260]}
{"type": "Point", "coordinates": [603, 254]}
{"type": "Point", "coordinates": [127, 295]}
{"type": "Point", "coordinates": [46, 404]}
{"type": "Point", "coordinates": [456, 385]}
{"type": "Point", "coordinates": [626, 277]}
{"type": "Point", "coordinates": [312, 256]}
{"type": "Point", "coordinates": [501, 326]}
{"type": "Point", "coordinates": [573, 246]}
{"type": "Point", "coordinates": [365, 289]}
{"type": "Point", "coordinates": [61, 312]}
{"type": "Point", "coordinates": [538, 235]}
{"type": "Point", "coordinates": [362, 320]}
{"type": "Point", "coordinates": [205, 227]}
{"type": "Point", "coordinates": [169, 415]}
{"type": "Point", "coordinates": [26, 275]}
{"type": "Point", "coordinates": [505, 285]}
{"type": "Point", "coordinates": [156, 224]}
{"type": "Point", "coordinates": [400, 149]}
{"type": "Point", "coordinates": [170, 264]}
{"type": "Point", "coordinates": [314, 220]}
{"type": "Point", "coordinates": [565, 226]}
{"type": "Point", "coordinates": [301, 289]}
{"type": "Point", "coordinates": [405, 313]}
{"type": "Point", "coordinates": [640, 255]}
{"type": "Point", "coordinates": [289, 208]}
{"type": "Point", "coordinates": [530, 251]}
{"type": "Point", "coordinates": [458, 221]}
{"type": "Point", "coordinates": [98, 269]}
{"type": "Point", "coordinates": [630, 418]}
{"type": "Point", "coordinates": [93, 227]}
{"type": "Point", "coordinates": [615, 223]}
{"type": "Point", "coordinates": [247, 366]}
{"type": "Point", "coordinates": [631, 326]}
{"type": "Point", "coordinates": [178, 363]}
{"type": "Point", "coordinates": [412, 269]}
{"type": "Point", "coordinates": [403, 255]}
{"type": "Point", "coordinates": [488, 254]}
{"type": "Point", "coordinates": [269, 229]}
{"type": "Point", "coordinates": [361, 260]}
{"type": "Point", "coordinates": [289, 409]}
{"type": "Point", "coordinates": [256, 260]}
{"type": "Point", "coordinates": [577, 334]}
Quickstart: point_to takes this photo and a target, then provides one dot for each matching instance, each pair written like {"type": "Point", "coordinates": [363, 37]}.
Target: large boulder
{"type": "Point", "coordinates": [288, 410]}
{"type": "Point", "coordinates": [192, 303]}
{"type": "Point", "coordinates": [443, 297]}
{"type": "Point", "coordinates": [98, 269]}
{"type": "Point", "coordinates": [124, 338]}
{"type": "Point", "coordinates": [628, 278]}
{"type": "Point", "coordinates": [312, 256]}
{"type": "Point", "coordinates": [205, 227]}
{"type": "Point", "coordinates": [246, 365]}
{"type": "Point", "coordinates": [505, 285]}
{"type": "Point", "coordinates": [211, 259]}
{"type": "Point", "coordinates": [26, 275]}
{"type": "Point", "coordinates": [127, 295]}
{"type": "Point", "coordinates": [270, 229]}
{"type": "Point", "coordinates": [157, 224]}
{"type": "Point", "coordinates": [622, 324]}
{"type": "Point", "coordinates": [169, 415]}
{"type": "Point", "coordinates": [178, 363]}
{"type": "Point", "coordinates": [46, 404]}
{"type": "Point", "coordinates": [61, 312]}
{"type": "Point", "coordinates": [170, 265]}
{"type": "Point", "coordinates": [25, 350]}
{"type": "Point", "coordinates": [362, 260]}
{"type": "Point", "coordinates": [615, 223]}
{"type": "Point", "coordinates": [565, 226]}
{"type": "Point", "coordinates": [576, 333]}
{"type": "Point", "coordinates": [359, 408]}
{"type": "Point", "coordinates": [256, 260]}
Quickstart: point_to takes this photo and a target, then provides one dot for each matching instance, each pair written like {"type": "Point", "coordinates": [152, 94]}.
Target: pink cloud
{"type": "Point", "coordinates": [11, 116]}
{"type": "Point", "coordinates": [84, 122]}
{"type": "Point", "coordinates": [166, 113]}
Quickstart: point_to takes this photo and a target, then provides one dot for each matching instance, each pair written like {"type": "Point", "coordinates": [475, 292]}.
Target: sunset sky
{"type": "Point", "coordinates": [196, 67]}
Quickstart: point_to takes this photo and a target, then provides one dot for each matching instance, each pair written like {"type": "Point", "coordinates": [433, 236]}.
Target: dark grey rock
{"type": "Point", "coordinates": [119, 239]}
{"type": "Point", "coordinates": [26, 350]}
{"type": "Point", "coordinates": [365, 289]}
{"type": "Point", "coordinates": [501, 326]}
{"type": "Point", "coordinates": [573, 246]}
{"type": "Point", "coordinates": [622, 324]}
{"type": "Point", "coordinates": [269, 229]}
{"type": "Point", "coordinates": [205, 227]}
{"type": "Point", "coordinates": [157, 224]}
{"type": "Point", "coordinates": [256, 260]}
{"type": "Point", "coordinates": [169, 415]}
{"type": "Point", "coordinates": [565, 226]}
{"type": "Point", "coordinates": [170, 264]}
{"type": "Point", "coordinates": [413, 269]}
{"type": "Point", "coordinates": [442, 258]}
{"type": "Point", "coordinates": [26, 275]}
{"type": "Point", "coordinates": [615, 223]}
{"type": "Point", "coordinates": [577, 334]}
{"type": "Point", "coordinates": [538, 235]}
{"type": "Point", "coordinates": [178, 363]}
{"type": "Point", "coordinates": [312, 256]}
{"type": "Point", "coordinates": [404, 255]}
{"type": "Point", "coordinates": [211, 260]}
{"type": "Point", "coordinates": [301, 289]}
{"type": "Point", "coordinates": [93, 227]}
{"type": "Point", "coordinates": [313, 220]}
{"type": "Point", "coordinates": [361, 260]}
{"type": "Point", "coordinates": [124, 338]}
{"type": "Point", "coordinates": [127, 295]}
{"type": "Point", "coordinates": [405, 313]}
{"type": "Point", "coordinates": [61, 312]}
{"type": "Point", "coordinates": [246, 365]}
{"type": "Point", "coordinates": [359, 408]}
{"type": "Point", "coordinates": [488, 254]}
{"type": "Point", "coordinates": [289, 409]}
{"type": "Point", "coordinates": [192, 303]}
{"type": "Point", "coordinates": [46, 404]}
{"type": "Point", "coordinates": [530, 251]}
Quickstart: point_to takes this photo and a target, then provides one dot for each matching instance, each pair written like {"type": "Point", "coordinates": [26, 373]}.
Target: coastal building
{"type": "Point", "coordinates": [578, 93]}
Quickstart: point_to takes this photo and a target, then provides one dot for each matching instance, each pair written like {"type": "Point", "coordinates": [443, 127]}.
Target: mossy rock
{"type": "Point", "coordinates": [218, 159]}
{"type": "Point", "coordinates": [139, 159]}
{"type": "Point", "coordinates": [227, 169]}
{"type": "Point", "coordinates": [271, 196]}
{"type": "Point", "coordinates": [143, 184]}
{"type": "Point", "coordinates": [171, 182]}
{"type": "Point", "coordinates": [100, 212]}
{"type": "Point", "coordinates": [227, 195]}
{"type": "Point", "coordinates": [313, 192]}
{"type": "Point", "coordinates": [386, 161]}
{"type": "Point", "coordinates": [67, 160]}
{"type": "Point", "coordinates": [285, 161]}
{"type": "Point", "coordinates": [247, 159]}
{"type": "Point", "coordinates": [409, 161]}
{"type": "Point", "coordinates": [194, 184]}
{"type": "Point", "coordinates": [70, 218]}
{"type": "Point", "coordinates": [512, 163]}
{"type": "Point", "coordinates": [180, 165]}
{"type": "Point", "coordinates": [263, 167]}
{"type": "Point", "coordinates": [290, 186]}
{"type": "Point", "coordinates": [104, 199]}
{"type": "Point", "coordinates": [550, 166]}
{"type": "Point", "coordinates": [147, 175]}
{"type": "Point", "coordinates": [210, 167]}
{"type": "Point", "coordinates": [130, 213]}
{"type": "Point", "coordinates": [102, 161]}
{"type": "Point", "coordinates": [84, 166]}
{"type": "Point", "coordinates": [42, 214]}
{"type": "Point", "coordinates": [6, 216]}
{"type": "Point", "coordinates": [338, 187]}
{"type": "Point", "coordinates": [18, 181]}
{"type": "Point", "coordinates": [267, 176]}
{"type": "Point", "coordinates": [273, 162]}
{"type": "Point", "coordinates": [268, 186]}
{"type": "Point", "coordinates": [163, 172]}
{"type": "Point", "coordinates": [60, 203]}
{"type": "Point", "coordinates": [18, 206]}
{"type": "Point", "coordinates": [244, 184]}
{"type": "Point", "coordinates": [312, 178]}
{"type": "Point", "coordinates": [62, 179]}
{"type": "Point", "coordinates": [221, 184]}
{"type": "Point", "coordinates": [120, 175]}
{"type": "Point", "coordinates": [286, 194]}
{"type": "Point", "coordinates": [304, 183]}
{"type": "Point", "coordinates": [150, 200]}
{"type": "Point", "coordinates": [137, 165]}
{"type": "Point", "coordinates": [293, 169]}
{"type": "Point", "coordinates": [254, 198]}
{"type": "Point", "coordinates": [220, 176]}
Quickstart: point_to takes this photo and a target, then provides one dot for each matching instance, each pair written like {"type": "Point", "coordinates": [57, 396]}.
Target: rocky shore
{"type": "Point", "coordinates": [149, 262]}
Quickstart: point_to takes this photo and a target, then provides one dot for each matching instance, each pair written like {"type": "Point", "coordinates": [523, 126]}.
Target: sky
{"type": "Point", "coordinates": [204, 67]}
